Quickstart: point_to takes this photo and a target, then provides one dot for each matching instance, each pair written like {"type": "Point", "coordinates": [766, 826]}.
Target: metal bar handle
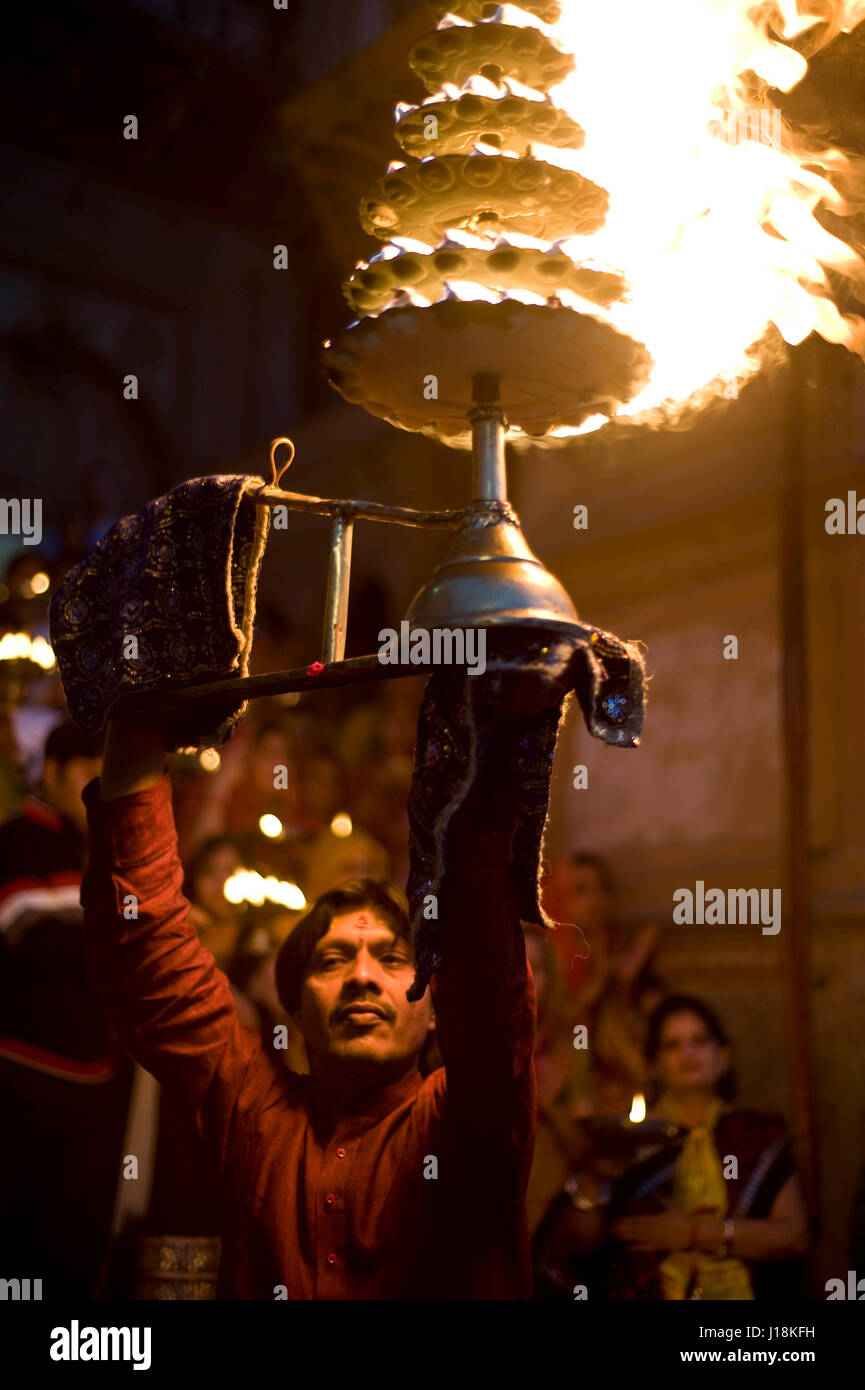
{"type": "Point", "coordinates": [366, 511]}
{"type": "Point", "coordinates": [338, 580]}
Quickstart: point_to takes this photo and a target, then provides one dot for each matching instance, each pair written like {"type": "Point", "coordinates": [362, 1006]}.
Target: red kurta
{"type": "Point", "coordinates": [352, 1212]}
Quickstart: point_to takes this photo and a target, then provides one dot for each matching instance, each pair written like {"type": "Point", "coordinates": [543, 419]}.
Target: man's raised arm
{"type": "Point", "coordinates": [482, 992]}
{"type": "Point", "coordinates": [171, 1006]}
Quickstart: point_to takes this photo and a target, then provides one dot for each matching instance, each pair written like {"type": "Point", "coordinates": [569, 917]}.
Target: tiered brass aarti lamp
{"type": "Point", "coordinates": [473, 325]}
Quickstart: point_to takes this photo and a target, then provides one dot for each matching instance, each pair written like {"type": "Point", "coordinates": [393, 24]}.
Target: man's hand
{"type": "Point", "coordinates": [134, 759]}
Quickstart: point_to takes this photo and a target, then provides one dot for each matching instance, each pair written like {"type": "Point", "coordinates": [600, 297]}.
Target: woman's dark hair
{"type": "Point", "coordinates": [385, 899]}
{"type": "Point", "coordinates": [677, 1004]}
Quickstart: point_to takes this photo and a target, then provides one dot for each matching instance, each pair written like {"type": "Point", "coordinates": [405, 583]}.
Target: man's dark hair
{"type": "Point", "coordinates": [676, 1004]}
{"type": "Point", "coordinates": [65, 742]}
{"type": "Point", "coordinates": [385, 899]}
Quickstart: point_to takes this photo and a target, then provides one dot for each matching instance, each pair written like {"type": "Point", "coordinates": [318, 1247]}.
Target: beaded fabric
{"type": "Point", "coordinates": [608, 677]}
{"type": "Point", "coordinates": [166, 598]}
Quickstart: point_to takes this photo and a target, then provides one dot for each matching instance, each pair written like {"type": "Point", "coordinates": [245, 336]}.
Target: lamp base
{"type": "Point", "coordinates": [492, 579]}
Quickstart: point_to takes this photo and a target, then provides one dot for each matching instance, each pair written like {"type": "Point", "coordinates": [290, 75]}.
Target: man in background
{"type": "Point", "coordinates": [63, 1083]}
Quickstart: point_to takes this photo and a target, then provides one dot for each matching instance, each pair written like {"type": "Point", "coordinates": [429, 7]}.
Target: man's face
{"type": "Point", "coordinates": [353, 1008]}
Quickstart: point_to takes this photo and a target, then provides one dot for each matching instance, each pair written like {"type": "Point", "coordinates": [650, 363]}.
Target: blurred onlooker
{"type": "Point", "coordinates": [609, 977]}
{"type": "Point", "coordinates": [382, 728]}
{"type": "Point", "coordinates": [24, 593]}
{"type": "Point", "coordinates": [31, 724]}
{"type": "Point", "coordinates": [376, 745]}
{"type": "Point", "coordinates": [220, 924]}
{"type": "Point", "coordinates": [257, 776]}
{"type": "Point", "coordinates": [333, 860]}
{"type": "Point", "coordinates": [63, 1082]}
{"type": "Point", "coordinates": [321, 788]}
{"type": "Point", "coordinates": [677, 1224]}
{"type": "Point", "coordinates": [563, 1080]}
{"type": "Point", "coordinates": [579, 890]}
{"type": "Point", "coordinates": [270, 784]}
{"type": "Point", "coordinates": [276, 646]}
{"type": "Point", "coordinates": [254, 971]}
{"type": "Point", "coordinates": [184, 1198]}
{"type": "Point", "coordinates": [31, 697]}
{"type": "Point", "coordinates": [13, 784]}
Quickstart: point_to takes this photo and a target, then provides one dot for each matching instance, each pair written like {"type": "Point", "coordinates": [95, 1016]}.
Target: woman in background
{"type": "Point", "coordinates": [722, 1219]}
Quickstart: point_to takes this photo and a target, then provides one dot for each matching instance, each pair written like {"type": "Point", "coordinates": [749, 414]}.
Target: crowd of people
{"type": "Point", "coordinates": [308, 795]}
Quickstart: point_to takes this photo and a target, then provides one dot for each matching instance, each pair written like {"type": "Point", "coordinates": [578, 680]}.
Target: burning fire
{"type": "Point", "coordinates": [712, 196]}
{"type": "Point", "coordinates": [638, 1109]}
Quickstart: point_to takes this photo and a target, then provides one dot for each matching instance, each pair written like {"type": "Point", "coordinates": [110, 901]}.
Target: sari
{"type": "Point", "coordinates": [700, 1190]}
{"type": "Point", "coordinates": [621, 1272]}
{"type": "Point", "coordinates": [758, 1141]}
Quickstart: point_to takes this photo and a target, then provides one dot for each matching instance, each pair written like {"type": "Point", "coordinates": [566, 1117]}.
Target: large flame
{"type": "Point", "coordinates": [712, 196]}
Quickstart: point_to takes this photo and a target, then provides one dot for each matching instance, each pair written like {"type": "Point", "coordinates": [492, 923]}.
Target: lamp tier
{"type": "Point", "coordinates": [509, 121]}
{"type": "Point", "coordinates": [374, 286]}
{"type": "Point", "coordinates": [483, 285]}
{"type": "Point", "coordinates": [487, 194]}
{"type": "Point", "coordinates": [547, 11]}
{"type": "Point", "coordinates": [414, 367]}
{"type": "Point", "coordinates": [494, 50]}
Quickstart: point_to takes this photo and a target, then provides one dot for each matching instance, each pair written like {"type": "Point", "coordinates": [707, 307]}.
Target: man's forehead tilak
{"type": "Point", "coordinates": [365, 922]}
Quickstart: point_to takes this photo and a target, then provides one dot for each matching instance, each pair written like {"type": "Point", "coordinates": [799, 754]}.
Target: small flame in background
{"type": "Point", "coordinates": [712, 195]}
{"type": "Point", "coordinates": [247, 886]}
{"type": "Point", "coordinates": [19, 646]}
{"type": "Point", "coordinates": [638, 1109]}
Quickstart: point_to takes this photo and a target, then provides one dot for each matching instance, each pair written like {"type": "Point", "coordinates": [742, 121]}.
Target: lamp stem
{"type": "Point", "coordinates": [488, 452]}
{"type": "Point", "coordinates": [488, 440]}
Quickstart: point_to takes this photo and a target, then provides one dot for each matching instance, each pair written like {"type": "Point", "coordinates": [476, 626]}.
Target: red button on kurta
{"type": "Point", "coordinates": [331, 1259]}
{"type": "Point", "coordinates": [329, 1199]}
{"type": "Point", "coordinates": [340, 1153]}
